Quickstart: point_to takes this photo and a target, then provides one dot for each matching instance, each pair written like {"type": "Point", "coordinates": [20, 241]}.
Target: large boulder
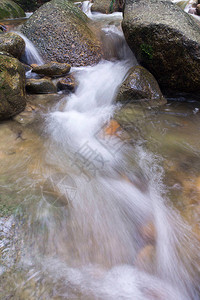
{"type": "Point", "coordinates": [9, 9]}
{"type": "Point", "coordinates": [166, 41]}
{"type": "Point", "coordinates": [12, 87]}
{"type": "Point", "coordinates": [140, 85]}
{"type": "Point", "coordinates": [12, 43]}
{"type": "Point", "coordinates": [62, 33]}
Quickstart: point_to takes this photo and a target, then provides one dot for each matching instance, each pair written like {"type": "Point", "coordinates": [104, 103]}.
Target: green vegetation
{"type": "Point", "coordinates": [112, 6]}
{"type": "Point", "coordinates": [147, 50]}
{"type": "Point", "coordinates": [9, 9]}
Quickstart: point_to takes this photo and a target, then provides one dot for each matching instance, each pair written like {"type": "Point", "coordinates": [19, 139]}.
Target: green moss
{"type": "Point", "coordinates": [147, 50]}
{"type": "Point", "coordinates": [68, 6]}
{"type": "Point", "coordinates": [9, 9]}
{"type": "Point", "coordinates": [6, 210]}
{"type": "Point", "coordinates": [111, 6]}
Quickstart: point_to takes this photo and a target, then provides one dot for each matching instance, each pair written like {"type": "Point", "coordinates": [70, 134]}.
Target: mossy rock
{"type": "Point", "coordinates": [10, 10]}
{"type": "Point", "coordinates": [12, 43]}
{"type": "Point", "coordinates": [12, 87]}
{"type": "Point", "coordinates": [167, 42]}
{"type": "Point", "coordinates": [62, 33]}
{"type": "Point", "coordinates": [139, 85]}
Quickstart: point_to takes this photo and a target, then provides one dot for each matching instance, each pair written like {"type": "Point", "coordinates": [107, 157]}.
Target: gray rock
{"type": "Point", "coordinates": [62, 33]}
{"type": "Point", "coordinates": [52, 69]}
{"type": "Point", "coordinates": [12, 87]}
{"type": "Point", "coordinates": [166, 41]}
{"type": "Point", "coordinates": [12, 43]}
{"type": "Point", "coordinates": [140, 85]}
{"type": "Point", "coordinates": [40, 86]}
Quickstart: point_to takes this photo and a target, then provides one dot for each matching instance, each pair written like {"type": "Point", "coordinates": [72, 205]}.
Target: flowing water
{"type": "Point", "coordinates": [31, 55]}
{"type": "Point", "coordinates": [95, 217]}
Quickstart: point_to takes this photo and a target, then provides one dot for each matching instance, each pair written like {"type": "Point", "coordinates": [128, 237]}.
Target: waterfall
{"type": "Point", "coordinates": [31, 55]}
{"type": "Point", "coordinates": [86, 8]}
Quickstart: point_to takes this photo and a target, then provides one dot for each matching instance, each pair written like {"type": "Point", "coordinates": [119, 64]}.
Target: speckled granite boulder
{"type": "Point", "coordinates": [166, 41]}
{"type": "Point", "coordinates": [62, 33]}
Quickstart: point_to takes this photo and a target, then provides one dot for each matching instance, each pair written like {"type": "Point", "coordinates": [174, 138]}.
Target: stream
{"type": "Point", "coordinates": [106, 195]}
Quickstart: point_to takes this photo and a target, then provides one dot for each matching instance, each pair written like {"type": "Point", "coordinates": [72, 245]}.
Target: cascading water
{"type": "Point", "coordinates": [86, 8]}
{"type": "Point", "coordinates": [31, 55]}
{"type": "Point", "coordinates": [97, 245]}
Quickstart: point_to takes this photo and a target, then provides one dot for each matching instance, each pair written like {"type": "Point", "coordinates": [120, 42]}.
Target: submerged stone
{"type": "Point", "coordinates": [140, 84]}
{"type": "Point", "coordinates": [145, 259]}
{"type": "Point", "coordinates": [12, 87]}
{"type": "Point", "coordinates": [166, 41]}
{"type": "Point", "coordinates": [12, 43]}
{"type": "Point", "coordinates": [62, 33]}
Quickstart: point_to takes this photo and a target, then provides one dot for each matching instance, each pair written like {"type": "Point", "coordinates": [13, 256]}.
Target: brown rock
{"type": "Point", "coordinates": [52, 69]}
{"type": "Point", "coordinates": [40, 86]}
{"type": "Point", "coordinates": [67, 84]}
{"type": "Point", "coordinates": [12, 43]}
{"type": "Point", "coordinates": [12, 87]}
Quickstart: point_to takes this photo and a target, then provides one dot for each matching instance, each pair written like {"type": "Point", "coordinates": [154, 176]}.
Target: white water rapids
{"type": "Point", "coordinates": [93, 248]}
{"type": "Point", "coordinates": [108, 212]}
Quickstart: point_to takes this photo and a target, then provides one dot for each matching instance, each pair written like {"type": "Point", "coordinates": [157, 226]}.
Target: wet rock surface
{"type": "Point", "coordinates": [9, 9]}
{"type": "Point", "coordinates": [40, 86]}
{"type": "Point", "coordinates": [52, 69]}
{"type": "Point", "coordinates": [104, 6]}
{"type": "Point", "coordinates": [12, 87]}
{"type": "Point", "coordinates": [167, 42]}
{"type": "Point", "coordinates": [67, 84]}
{"type": "Point", "coordinates": [61, 32]}
{"type": "Point", "coordinates": [12, 43]}
{"type": "Point", "coordinates": [140, 84]}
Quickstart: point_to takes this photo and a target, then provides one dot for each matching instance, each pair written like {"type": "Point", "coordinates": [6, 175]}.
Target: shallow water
{"type": "Point", "coordinates": [103, 199]}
